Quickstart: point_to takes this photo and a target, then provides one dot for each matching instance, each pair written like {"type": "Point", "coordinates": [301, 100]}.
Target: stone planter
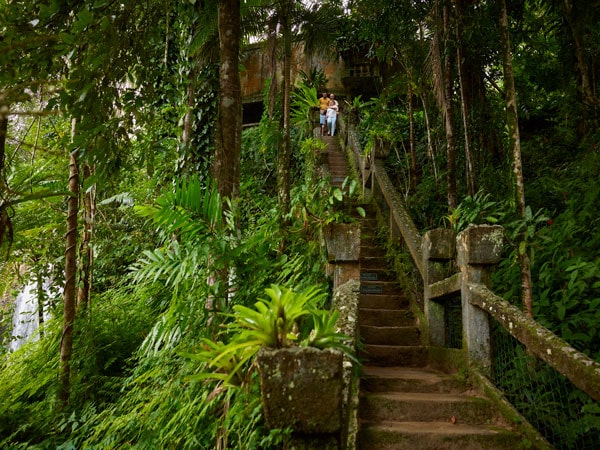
{"type": "Point", "coordinates": [302, 388]}
{"type": "Point", "coordinates": [342, 241]}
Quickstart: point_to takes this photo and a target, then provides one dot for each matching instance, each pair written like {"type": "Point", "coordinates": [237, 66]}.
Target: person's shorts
{"type": "Point", "coordinates": [322, 119]}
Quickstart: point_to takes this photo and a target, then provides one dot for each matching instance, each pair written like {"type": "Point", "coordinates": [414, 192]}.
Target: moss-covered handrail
{"type": "Point", "coordinates": [398, 213]}
{"type": "Point", "coordinates": [540, 342]}
{"type": "Point", "coordinates": [371, 167]}
{"type": "Point", "coordinates": [445, 287]}
{"type": "Point", "coordinates": [583, 371]}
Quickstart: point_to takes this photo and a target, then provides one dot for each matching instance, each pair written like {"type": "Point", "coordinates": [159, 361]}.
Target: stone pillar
{"type": "Point", "coordinates": [437, 248]}
{"type": "Point", "coordinates": [343, 251]}
{"type": "Point", "coordinates": [479, 248]}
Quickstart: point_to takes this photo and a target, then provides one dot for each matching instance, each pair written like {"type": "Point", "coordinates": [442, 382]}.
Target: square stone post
{"type": "Point", "coordinates": [479, 247]}
{"type": "Point", "coordinates": [437, 248]}
{"type": "Point", "coordinates": [343, 251]}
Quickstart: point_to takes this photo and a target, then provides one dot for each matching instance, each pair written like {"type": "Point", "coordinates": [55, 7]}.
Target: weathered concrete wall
{"type": "Point", "coordinates": [256, 62]}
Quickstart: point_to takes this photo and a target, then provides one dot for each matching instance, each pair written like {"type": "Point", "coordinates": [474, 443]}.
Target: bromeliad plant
{"type": "Point", "coordinates": [285, 319]}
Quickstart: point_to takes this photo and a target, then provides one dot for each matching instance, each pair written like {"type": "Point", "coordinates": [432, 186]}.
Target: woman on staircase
{"type": "Point", "coordinates": [332, 111]}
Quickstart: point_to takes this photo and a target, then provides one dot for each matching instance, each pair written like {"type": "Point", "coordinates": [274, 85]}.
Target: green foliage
{"type": "Point", "coordinates": [317, 205]}
{"type": "Point", "coordinates": [192, 212]}
{"type": "Point", "coordinates": [314, 78]}
{"type": "Point", "coordinates": [381, 119]}
{"type": "Point", "coordinates": [123, 69]}
{"type": "Point", "coordinates": [275, 322]}
{"type": "Point", "coordinates": [311, 149]}
{"type": "Point", "coordinates": [304, 104]}
{"type": "Point", "coordinates": [353, 110]}
{"type": "Point", "coordinates": [473, 210]}
{"type": "Point", "coordinates": [564, 268]}
{"type": "Point", "coordinates": [324, 335]}
{"type": "Point", "coordinates": [161, 408]}
{"type": "Point", "coordinates": [28, 389]}
{"type": "Point", "coordinates": [340, 200]}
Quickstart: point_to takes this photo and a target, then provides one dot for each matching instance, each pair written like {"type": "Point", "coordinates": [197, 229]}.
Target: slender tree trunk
{"type": "Point", "coordinates": [449, 112]}
{"type": "Point", "coordinates": [3, 133]}
{"type": "Point", "coordinates": [226, 166]}
{"type": "Point", "coordinates": [411, 138]}
{"type": "Point", "coordinates": [464, 99]}
{"type": "Point", "coordinates": [6, 230]}
{"type": "Point", "coordinates": [512, 118]}
{"type": "Point", "coordinates": [39, 279]}
{"type": "Point", "coordinates": [188, 121]}
{"type": "Point", "coordinates": [69, 293]}
{"type": "Point", "coordinates": [430, 150]}
{"type": "Point", "coordinates": [284, 154]}
{"type": "Point", "coordinates": [226, 163]}
{"type": "Point", "coordinates": [273, 88]}
{"type": "Point", "coordinates": [585, 86]}
{"type": "Point", "coordinates": [86, 253]}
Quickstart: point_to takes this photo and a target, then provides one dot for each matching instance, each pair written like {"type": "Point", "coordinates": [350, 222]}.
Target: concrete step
{"type": "Point", "coordinates": [435, 435]}
{"type": "Point", "coordinates": [385, 317]}
{"type": "Point", "coordinates": [338, 168]}
{"type": "Point", "coordinates": [376, 274]}
{"type": "Point", "coordinates": [379, 301]}
{"type": "Point", "coordinates": [370, 222]}
{"type": "Point", "coordinates": [408, 379]}
{"type": "Point", "coordinates": [410, 335]}
{"type": "Point", "coordinates": [425, 407]}
{"type": "Point", "coordinates": [371, 251]}
{"type": "Point", "coordinates": [394, 355]}
{"type": "Point", "coordinates": [380, 287]}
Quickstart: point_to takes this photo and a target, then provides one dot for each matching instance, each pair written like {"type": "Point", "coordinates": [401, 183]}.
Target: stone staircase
{"type": "Point", "coordinates": [336, 161]}
{"type": "Point", "coordinates": [405, 403]}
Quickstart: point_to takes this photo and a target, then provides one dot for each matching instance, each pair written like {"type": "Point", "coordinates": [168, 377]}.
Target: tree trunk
{"type": "Point", "coordinates": [66, 342]}
{"type": "Point", "coordinates": [512, 119]}
{"type": "Point", "coordinates": [284, 154]}
{"type": "Point", "coordinates": [464, 98]}
{"type": "Point", "coordinates": [226, 165]}
{"type": "Point", "coordinates": [449, 112]}
{"type": "Point", "coordinates": [3, 133]}
{"type": "Point", "coordinates": [411, 138]}
{"type": "Point", "coordinates": [41, 295]}
{"type": "Point", "coordinates": [188, 124]}
{"type": "Point", "coordinates": [430, 149]}
{"type": "Point", "coordinates": [585, 86]}
{"type": "Point", "coordinates": [86, 253]}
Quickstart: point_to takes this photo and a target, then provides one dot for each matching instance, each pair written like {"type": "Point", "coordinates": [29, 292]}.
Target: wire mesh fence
{"type": "Point", "coordinates": [567, 417]}
{"type": "Point", "coordinates": [454, 326]}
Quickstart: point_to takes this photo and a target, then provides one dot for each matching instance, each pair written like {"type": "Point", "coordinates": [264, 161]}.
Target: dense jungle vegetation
{"type": "Point", "coordinates": [126, 182]}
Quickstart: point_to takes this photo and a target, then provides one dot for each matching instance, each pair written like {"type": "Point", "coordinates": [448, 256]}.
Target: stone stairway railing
{"type": "Point", "coordinates": [476, 250]}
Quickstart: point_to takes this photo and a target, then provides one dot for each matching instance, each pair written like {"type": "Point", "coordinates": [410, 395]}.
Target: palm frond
{"type": "Point", "coordinates": [191, 210]}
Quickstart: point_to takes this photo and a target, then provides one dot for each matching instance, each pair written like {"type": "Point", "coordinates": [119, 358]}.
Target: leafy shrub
{"type": "Point", "coordinates": [275, 322]}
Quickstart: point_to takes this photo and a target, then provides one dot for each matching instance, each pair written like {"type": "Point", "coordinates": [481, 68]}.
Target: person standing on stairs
{"type": "Point", "coordinates": [323, 105]}
{"type": "Point", "coordinates": [332, 112]}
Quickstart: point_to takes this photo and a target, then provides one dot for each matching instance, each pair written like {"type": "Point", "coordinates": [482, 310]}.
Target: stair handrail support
{"type": "Point", "coordinates": [438, 249]}
{"type": "Point", "coordinates": [580, 369]}
{"type": "Point", "coordinates": [359, 164]}
{"type": "Point", "coordinates": [479, 248]}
